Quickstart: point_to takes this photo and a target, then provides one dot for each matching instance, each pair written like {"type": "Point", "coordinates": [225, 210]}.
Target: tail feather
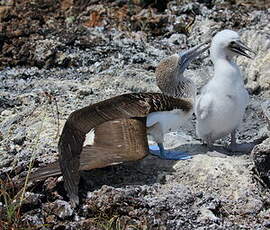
{"type": "Point", "coordinates": [48, 171]}
{"type": "Point", "coordinates": [40, 174]}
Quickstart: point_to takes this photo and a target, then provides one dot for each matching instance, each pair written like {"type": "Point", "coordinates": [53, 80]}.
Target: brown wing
{"type": "Point", "coordinates": [82, 121]}
{"type": "Point", "coordinates": [116, 142]}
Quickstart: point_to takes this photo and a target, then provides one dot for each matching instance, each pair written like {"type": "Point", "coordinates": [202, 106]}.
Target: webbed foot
{"type": "Point", "coordinates": [168, 154]}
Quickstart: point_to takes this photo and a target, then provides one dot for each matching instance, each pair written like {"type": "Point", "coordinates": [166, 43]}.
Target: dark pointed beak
{"type": "Point", "coordinates": [187, 56]}
{"type": "Point", "coordinates": [240, 48]}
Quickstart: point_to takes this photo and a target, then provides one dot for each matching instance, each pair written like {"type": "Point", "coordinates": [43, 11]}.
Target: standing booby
{"type": "Point", "coordinates": [120, 125]}
{"type": "Point", "coordinates": [222, 103]}
{"type": "Point", "coordinates": [172, 82]}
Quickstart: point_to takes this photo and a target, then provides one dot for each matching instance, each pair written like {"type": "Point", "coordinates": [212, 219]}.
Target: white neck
{"type": "Point", "coordinates": [227, 72]}
{"type": "Point", "coordinates": [218, 53]}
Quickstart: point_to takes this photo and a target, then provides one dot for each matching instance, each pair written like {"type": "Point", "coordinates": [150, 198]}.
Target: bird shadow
{"type": "Point", "coordinates": [243, 148]}
{"type": "Point", "coordinates": [147, 171]}
{"type": "Point", "coordinates": [217, 150]}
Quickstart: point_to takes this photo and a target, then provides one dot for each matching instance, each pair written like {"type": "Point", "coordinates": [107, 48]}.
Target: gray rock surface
{"type": "Point", "coordinates": [257, 72]}
{"type": "Point", "coordinates": [266, 112]}
{"type": "Point", "coordinates": [59, 208]}
{"type": "Point", "coordinates": [261, 156]}
{"type": "Point", "coordinates": [58, 69]}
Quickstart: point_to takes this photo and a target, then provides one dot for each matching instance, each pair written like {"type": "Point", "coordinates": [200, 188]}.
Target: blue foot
{"type": "Point", "coordinates": [153, 147]}
{"type": "Point", "coordinates": [167, 154]}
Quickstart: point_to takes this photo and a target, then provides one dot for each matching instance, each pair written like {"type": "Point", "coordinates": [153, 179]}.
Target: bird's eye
{"type": "Point", "coordinates": [232, 44]}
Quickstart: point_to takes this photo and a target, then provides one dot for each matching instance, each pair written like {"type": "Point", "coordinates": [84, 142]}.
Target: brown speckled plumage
{"type": "Point", "coordinates": [171, 82]}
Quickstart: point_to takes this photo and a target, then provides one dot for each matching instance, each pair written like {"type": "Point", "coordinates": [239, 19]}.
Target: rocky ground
{"type": "Point", "coordinates": [58, 56]}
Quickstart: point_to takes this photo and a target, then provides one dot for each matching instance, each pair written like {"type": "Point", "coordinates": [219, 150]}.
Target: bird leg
{"type": "Point", "coordinates": [208, 142]}
{"type": "Point", "coordinates": [233, 140]}
{"type": "Point", "coordinates": [211, 152]}
{"type": "Point", "coordinates": [158, 150]}
{"type": "Point", "coordinates": [210, 145]}
{"type": "Point", "coordinates": [234, 147]}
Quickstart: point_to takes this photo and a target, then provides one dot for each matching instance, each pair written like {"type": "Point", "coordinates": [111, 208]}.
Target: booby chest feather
{"type": "Point", "coordinates": [169, 120]}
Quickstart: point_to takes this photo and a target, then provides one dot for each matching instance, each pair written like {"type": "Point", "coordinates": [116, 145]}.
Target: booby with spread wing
{"type": "Point", "coordinates": [171, 81]}
{"type": "Point", "coordinates": [222, 103]}
{"type": "Point", "coordinates": [121, 125]}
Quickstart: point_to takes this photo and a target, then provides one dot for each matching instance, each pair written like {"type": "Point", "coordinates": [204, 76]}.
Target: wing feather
{"type": "Point", "coordinates": [83, 120]}
{"type": "Point", "coordinates": [116, 142]}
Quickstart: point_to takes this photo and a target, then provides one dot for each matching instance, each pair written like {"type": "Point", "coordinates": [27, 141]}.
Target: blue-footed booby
{"type": "Point", "coordinates": [172, 82]}
{"type": "Point", "coordinates": [121, 125]}
{"type": "Point", "coordinates": [120, 130]}
{"type": "Point", "coordinates": [223, 100]}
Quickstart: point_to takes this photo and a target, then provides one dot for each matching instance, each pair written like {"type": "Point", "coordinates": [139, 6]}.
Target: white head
{"type": "Point", "coordinates": [226, 44]}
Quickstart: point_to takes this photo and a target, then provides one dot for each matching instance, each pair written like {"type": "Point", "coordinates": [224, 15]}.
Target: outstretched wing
{"type": "Point", "coordinates": [115, 142]}
{"type": "Point", "coordinates": [83, 120]}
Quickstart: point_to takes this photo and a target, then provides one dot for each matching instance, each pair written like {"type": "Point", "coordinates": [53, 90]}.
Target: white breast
{"type": "Point", "coordinates": [169, 121]}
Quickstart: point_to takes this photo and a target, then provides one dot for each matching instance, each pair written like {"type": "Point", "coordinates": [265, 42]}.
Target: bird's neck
{"type": "Point", "coordinates": [218, 54]}
{"type": "Point", "coordinates": [181, 87]}
{"type": "Point", "coordinates": [223, 62]}
{"type": "Point", "coordinates": [227, 71]}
